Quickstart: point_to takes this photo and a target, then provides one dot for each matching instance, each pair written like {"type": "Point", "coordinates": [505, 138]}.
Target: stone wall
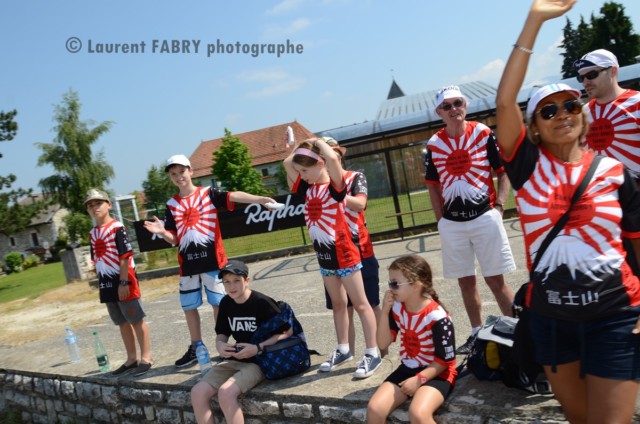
{"type": "Point", "coordinates": [46, 398]}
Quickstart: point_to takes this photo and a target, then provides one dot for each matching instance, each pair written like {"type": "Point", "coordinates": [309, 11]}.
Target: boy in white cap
{"type": "Point", "coordinates": [119, 290]}
{"type": "Point", "coordinates": [191, 222]}
{"type": "Point", "coordinates": [460, 162]}
{"type": "Point", "coordinates": [614, 113]}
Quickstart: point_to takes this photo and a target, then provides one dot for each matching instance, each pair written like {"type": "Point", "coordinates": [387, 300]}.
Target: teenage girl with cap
{"type": "Point", "coordinates": [584, 300]}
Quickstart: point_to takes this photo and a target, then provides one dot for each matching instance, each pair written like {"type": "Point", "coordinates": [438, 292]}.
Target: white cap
{"type": "Point", "coordinates": [596, 59]}
{"type": "Point", "coordinates": [546, 91]}
{"type": "Point", "coordinates": [450, 92]}
{"type": "Point", "coordinates": [177, 160]}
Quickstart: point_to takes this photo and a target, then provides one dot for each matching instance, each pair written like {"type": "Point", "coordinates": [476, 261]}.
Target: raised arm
{"type": "Point", "coordinates": [508, 115]}
{"type": "Point", "coordinates": [292, 174]}
{"type": "Point", "coordinates": [333, 163]}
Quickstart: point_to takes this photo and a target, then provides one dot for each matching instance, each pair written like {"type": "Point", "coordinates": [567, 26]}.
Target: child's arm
{"type": "Point", "coordinates": [225, 349]}
{"type": "Point", "coordinates": [383, 331]}
{"type": "Point", "coordinates": [250, 350]}
{"type": "Point", "coordinates": [357, 203]}
{"type": "Point", "coordinates": [242, 197]}
{"type": "Point", "coordinates": [123, 291]}
{"type": "Point", "coordinates": [332, 162]}
{"type": "Point", "coordinates": [292, 174]}
{"type": "Point", "coordinates": [411, 385]}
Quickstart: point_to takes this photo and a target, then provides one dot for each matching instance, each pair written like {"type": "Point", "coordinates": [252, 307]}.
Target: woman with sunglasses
{"type": "Point", "coordinates": [583, 298]}
{"type": "Point", "coordinates": [427, 373]}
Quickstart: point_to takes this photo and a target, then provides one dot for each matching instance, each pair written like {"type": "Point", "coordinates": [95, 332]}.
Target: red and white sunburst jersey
{"type": "Point", "coordinates": [583, 274]}
{"type": "Point", "coordinates": [110, 244]}
{"type": "Point", "coordinates": [324, 213]}
{"type": "Point", "coordinates": [357, 186]}
{"type": "Point", "coordinates": [615, 129]}
{"type": "Point", "coordinates": [462, 167]}
{"type": "Point", "coordinates": [426, 336]}
{"type": "Point", "coordinates": [194, 220]}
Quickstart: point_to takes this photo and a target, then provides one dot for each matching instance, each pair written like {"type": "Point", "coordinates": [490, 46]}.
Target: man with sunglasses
{"type": "Point", "coordinates": [614, 117]}
{"type": "Point", "coordinates": [614, 113]}
{"type": "Point", "coordinates": [460, 162]}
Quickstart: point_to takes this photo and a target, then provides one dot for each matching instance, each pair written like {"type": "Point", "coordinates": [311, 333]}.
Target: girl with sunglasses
{"type": "Point", "coordinates": [584, 301]}
{"type": "Point", "coordinates": [314, 171]}
{"type": "Point", "coordinates": [427, 373]}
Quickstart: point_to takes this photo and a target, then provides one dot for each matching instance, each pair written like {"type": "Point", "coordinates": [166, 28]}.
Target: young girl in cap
{"type": "Point", "coordinates": [584, 300]}
{"type": "Point", "coordinates": [314, 170]}
{"type": "Point", "coordinates": [411, 309]}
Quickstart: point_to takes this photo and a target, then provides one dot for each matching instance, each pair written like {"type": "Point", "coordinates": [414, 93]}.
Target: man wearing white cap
{"type": "Point", "coordinates": [614, 113]}
{"type": "Point", "coordinates": [459, 163]}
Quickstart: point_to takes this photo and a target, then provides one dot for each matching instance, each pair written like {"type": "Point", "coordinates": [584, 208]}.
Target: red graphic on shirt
{"type": "Point", "coordinates": [105, 253]}
{"type": "Point", "coordinates": [600, 134]}
{"type": "Point", "coordinates": [99, 249]}
{"type": "Point", "coordinates": [458, 163]}
{"type": "Point", "coordinates": [195, 218]}
{"type": "Point", "coordinates": [320, 213]}
{"type": "Point", "coordinates": [411, 342]}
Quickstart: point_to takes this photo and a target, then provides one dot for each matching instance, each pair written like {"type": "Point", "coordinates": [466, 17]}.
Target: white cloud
{"type": "Point", "coordinates": [273, 81]}
{"type": "Point", "coordinates": [284, 6]}
{"type": "Point", "coordinates": [544, 68]}
{"type": "Point", "coordinates": [489, 73]}
{"type": "Point", "coordinates": [279, 31]}
{"type": "Point", "coordinates": [269, 75]}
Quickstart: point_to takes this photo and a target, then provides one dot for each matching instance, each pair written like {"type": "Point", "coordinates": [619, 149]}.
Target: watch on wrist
{"type": "Point", "coordinates": [423, 380]}
{"type": "Point", "coordinates": [259, 349]}
{"type": "Point", "coordinates": [125, 283]}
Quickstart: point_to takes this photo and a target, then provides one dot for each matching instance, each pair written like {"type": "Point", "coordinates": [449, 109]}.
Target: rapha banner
{"type": "Point", "coordinates": [245, 220]}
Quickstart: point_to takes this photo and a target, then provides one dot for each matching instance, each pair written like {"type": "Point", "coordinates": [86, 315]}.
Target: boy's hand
{"type": "Point", "coordinates": [225, 349]}
{"type": "Point", "coordinates": [123, 292]}
{"type": "Point", "coordinates": [156, 226]}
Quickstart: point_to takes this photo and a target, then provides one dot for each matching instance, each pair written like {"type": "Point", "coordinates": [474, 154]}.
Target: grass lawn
{"type": "Point", "coordinates": [32, 282]}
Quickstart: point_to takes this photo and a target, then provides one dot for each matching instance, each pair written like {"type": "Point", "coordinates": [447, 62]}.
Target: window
{"type": "Point", "coordinates": [12, 241]}
{"type": "Point", "coordinates": [265, 172]}
{"type": "Point", "coordinates": [34, 239]}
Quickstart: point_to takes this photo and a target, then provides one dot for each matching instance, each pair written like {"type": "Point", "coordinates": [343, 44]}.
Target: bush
{"type": "Point", "coordinates": [31, 261]}
{"type": "Point", "coordinates": [13, 262]}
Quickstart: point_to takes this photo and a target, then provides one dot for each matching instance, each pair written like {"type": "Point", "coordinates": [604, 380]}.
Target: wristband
{"type": "Point", "coordinates": [522, 48]}
{"type": "Point", "coordinates": [259, 349]}
{"type": "Point", "coordinates": [422, 378]}
{"type": "Point", "coordinates": [125, 283]}
{"type": "Point", "coordinates": [495, 205]}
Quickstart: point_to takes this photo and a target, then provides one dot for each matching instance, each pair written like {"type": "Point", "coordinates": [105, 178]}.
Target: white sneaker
{"type": "Point", "coordinates": [367, 366]}
{"type": "Point", "coordinates": [335, 358]}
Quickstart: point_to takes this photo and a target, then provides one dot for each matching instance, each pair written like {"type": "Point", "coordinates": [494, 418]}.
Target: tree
{"type": "Point", "coordinates": [70, 155]}
{"type": "Point", "coordinates": [157, 188]}
{"type": "Point", "coordinates": [232, 166]}
{"type": "Point", "coordinates": [14, 215]}
{"type": "Point", "coordinates": [612, 31]}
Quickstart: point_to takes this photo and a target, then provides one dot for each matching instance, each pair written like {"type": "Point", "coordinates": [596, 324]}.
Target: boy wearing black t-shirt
{"type": "Point", "coordinates": [241, 312]}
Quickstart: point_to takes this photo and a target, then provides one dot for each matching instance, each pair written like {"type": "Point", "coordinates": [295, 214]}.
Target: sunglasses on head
{"type": "Point", "coordinates": [591, 75]}
{"type": "Point", "coordinates": [573, 107]}
{"type": "Point", "coordinates": [394, 285]}
{"type": "Point", "coordinates": [448, 106]}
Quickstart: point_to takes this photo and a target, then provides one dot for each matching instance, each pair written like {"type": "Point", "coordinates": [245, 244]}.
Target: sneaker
{"type": "Point", "coordinates": [123, 369]}
{"type": "Point", "coordinates": [466, 347]}
{"type": "Point", "coordinates": [367, 366]}
{"type": "Point", "coordinates": [141, 369]}
{"type": "Point", "coordinates": [335, 358]}
{"type": "Point", "coordinates": [188, 359]}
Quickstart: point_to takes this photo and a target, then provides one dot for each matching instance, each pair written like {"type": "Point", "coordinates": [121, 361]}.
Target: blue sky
{"type": "Point", "coordinates": [167, 103]}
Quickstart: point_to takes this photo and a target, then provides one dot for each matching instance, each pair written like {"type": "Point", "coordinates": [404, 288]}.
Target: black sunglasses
{"type": "Point", "coordinates": [448, 106]}
{"type": "Point", "coordinates": [591, 75]}
{"type": "Point", "coordinates": [573, 107]}
{"type": "Point", "coordinates": [394, 285]}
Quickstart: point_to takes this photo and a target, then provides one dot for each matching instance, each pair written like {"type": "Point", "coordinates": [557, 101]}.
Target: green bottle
{"type": "Point", "coordinates": [101, 354]}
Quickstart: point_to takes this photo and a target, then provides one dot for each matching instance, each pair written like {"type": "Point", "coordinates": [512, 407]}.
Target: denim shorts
{"type": "Point", "coordinates": [606, 347]}
{"type": "Point", "coordinates": [342, 272]}
{"type": "Point", "coordinates": [371, 280]}
{"type": "Point", "coordinates": [129, 311]}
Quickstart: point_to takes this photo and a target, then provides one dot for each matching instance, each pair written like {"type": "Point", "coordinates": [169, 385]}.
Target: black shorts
{"type": "Point", "coordinates": [403, 373]}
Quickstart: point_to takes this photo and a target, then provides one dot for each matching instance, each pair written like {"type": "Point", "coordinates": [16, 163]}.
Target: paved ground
{"type": "Point", "coordinates": [296, 280]}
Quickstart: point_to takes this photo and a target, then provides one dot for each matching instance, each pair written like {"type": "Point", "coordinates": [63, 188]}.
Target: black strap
{"type": "Point", "coordinates": [565, 217]}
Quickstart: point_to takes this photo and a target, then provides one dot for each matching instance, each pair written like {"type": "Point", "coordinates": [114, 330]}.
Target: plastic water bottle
{"type": "Point", "coordinates": [71, 340]}
{"type": "Point", "coordinates": [101, 354]}
{"type": "Point", "coordinates": [203, 357]}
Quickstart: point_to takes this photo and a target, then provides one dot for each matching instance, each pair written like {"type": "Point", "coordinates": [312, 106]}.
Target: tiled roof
{"type": "Point", "coordinates": [265, 146]}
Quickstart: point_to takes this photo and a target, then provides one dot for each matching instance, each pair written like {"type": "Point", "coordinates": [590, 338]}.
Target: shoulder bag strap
{"type": "Point", "coordinates": [565, 217]}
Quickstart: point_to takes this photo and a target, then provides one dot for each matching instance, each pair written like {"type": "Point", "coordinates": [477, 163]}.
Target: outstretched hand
{"type": "Point", "coordinates": [156, 226]}
{"type": "Point", "coordinates": [549, 9]}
